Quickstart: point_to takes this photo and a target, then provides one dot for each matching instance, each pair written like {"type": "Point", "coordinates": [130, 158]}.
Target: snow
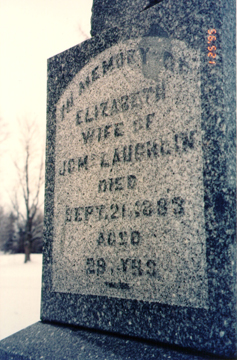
{"type": "Point", "coordinates": [20, 292]}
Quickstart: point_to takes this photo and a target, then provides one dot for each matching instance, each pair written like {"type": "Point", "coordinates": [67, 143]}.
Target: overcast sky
{"type": "Point", "coordinates": [30, 32]}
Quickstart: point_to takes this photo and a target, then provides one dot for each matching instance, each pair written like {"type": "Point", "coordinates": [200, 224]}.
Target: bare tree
{"type": "Point", "coordinates": [30, 172]}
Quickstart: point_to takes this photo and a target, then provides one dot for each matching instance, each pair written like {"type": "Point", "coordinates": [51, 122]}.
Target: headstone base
{"type": "Point", "coordinates": [48, 341]}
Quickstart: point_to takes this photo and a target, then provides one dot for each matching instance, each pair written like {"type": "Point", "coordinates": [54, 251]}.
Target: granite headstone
{"type": "Point", "coordinates": [140, 179]}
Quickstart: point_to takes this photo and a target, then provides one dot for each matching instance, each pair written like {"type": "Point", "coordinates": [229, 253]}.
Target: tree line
{"type": "Point", "coordinates": [13, 233]}
{"type": "Point", "coordinates": [21, 227]}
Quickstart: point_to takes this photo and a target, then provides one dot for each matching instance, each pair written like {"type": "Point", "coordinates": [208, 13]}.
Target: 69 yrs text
{"type": "Point", "coordinates": [135, 267]}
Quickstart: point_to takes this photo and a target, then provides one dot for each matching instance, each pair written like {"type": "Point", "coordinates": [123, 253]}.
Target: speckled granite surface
{"type": "Point", "coordinates": [52, 342]}
{"type": "Point", "coordinates": [140, 187]}
{"type": "Point", "coordinates": [140, 183]}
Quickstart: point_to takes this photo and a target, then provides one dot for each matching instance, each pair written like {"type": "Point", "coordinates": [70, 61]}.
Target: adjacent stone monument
{"type": "Point", "coordinates": [140, 180]}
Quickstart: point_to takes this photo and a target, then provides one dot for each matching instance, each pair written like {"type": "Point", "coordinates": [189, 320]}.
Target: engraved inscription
{"type": "Point", "coordinates": [129, 200]}
{"type": "Point", "coordinates": [140, 208]}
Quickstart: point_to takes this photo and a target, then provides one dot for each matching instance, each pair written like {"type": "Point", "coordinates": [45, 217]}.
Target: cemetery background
{"type": "Point", "coordinates": [25, 46]}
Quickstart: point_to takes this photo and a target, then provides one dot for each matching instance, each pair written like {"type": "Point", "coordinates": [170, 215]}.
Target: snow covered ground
{"type": "Point", "coordinates": [20, 292]}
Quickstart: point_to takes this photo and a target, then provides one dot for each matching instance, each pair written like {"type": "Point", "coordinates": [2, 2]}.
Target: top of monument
{"type": "Point", "coordinates": [106, 13]}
